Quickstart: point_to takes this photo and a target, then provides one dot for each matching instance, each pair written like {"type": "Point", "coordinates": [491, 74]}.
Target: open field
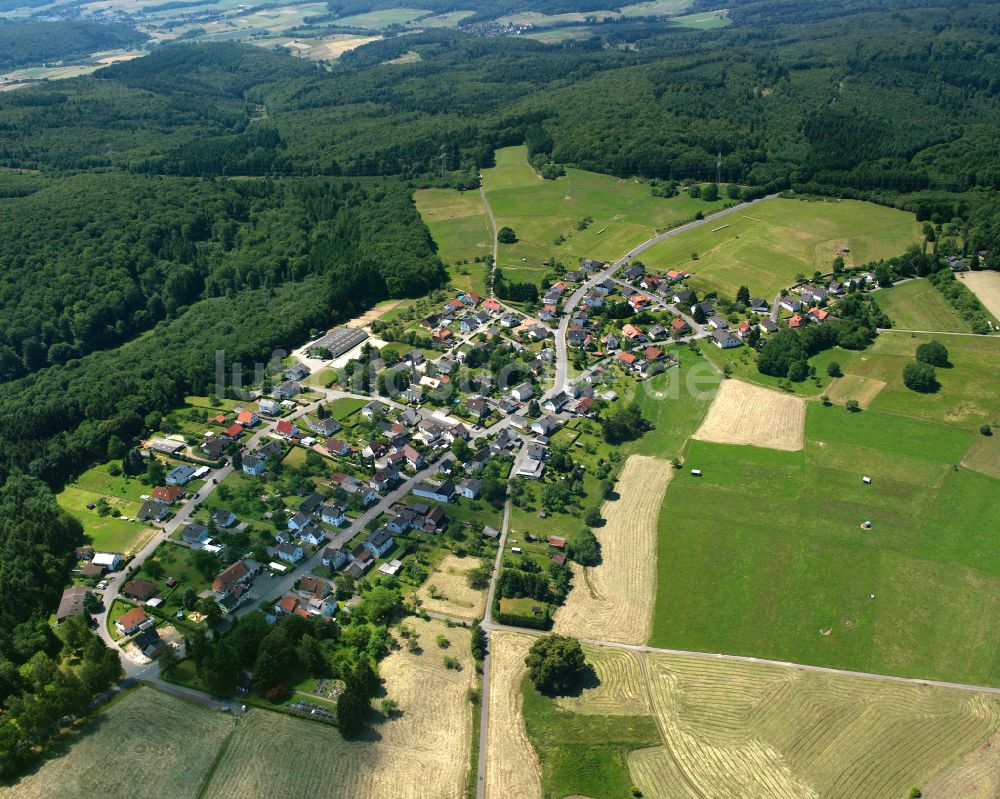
{"type": "Point", "coordinates": [917, 305]}
{"type": "Point", "coordinates": [613, 601]}
{"type": "Point", "coordinates": [460, 228]}
{"type": "Point", "coordinates": [736, 730]}
{"type": "Point", "coordinates": [624, 213]}
{"type": "Point", "coordinates": [976, 775]}
{"type": "Point", "coordinates": [423, 752]}
{"type": "Point", "coordinates": [170, 746]}
{"type": "Point", "coordinates": [512, 766]}
{"type": "Point", "coordinates": [105, 533]}
{"type": "Point", "coordinates": [746, 414]}
{"type": "Point", "coordinates": [968, 396]}
{"type": "Point", "coordinates": [986, 286]}
{"type": "Point", "coordinates": [984, 454]}
{"type": "Point", "coordinates": [620, 687]}
{"type": "Point", "coordinates": [449, 579]}
{"type": "Point", "coordinates": [765, 555]}
{"type": "Point", "coordinates": [704, 21]}
{"type": "Point", "coordinates": [377, 20]}
{"type": "Point", "coordinates": [773, 241]}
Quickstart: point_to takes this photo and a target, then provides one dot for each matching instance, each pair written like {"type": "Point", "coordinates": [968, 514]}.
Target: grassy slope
{"type": "Point", "coordinates": [917, 305]}
{"type": "Point", "coordinates": [766, 247]}
{"type": "Point", "coordinates": [539, 210]}
{"type": "Point", "coordinates": [460, 228]}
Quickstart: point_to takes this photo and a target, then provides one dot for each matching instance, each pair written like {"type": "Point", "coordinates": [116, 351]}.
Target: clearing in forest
{"type": "Point", "coordinates": [613, 601]}
{"type": "Point", "coordinates": [511, 766]}
{"type": "Point", "coordinates": [447, 589]}
{"type": "Point", "coordinates": [424, 751]}
{"type": "Point", "coordinates": [747, 414]}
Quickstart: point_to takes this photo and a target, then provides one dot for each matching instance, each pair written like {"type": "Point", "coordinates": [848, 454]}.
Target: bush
{"type": "Point", "coordinates": [585, 548]}
{"type": "Point", "coordinates": [853, 406]}
{"type": "Point", "coordinates": [918, 376]}
{"type": "Point", "coordinates": [933, 353]}
{"type": "Point", "coordinates": [506, 235]}
{"type": "Point", "coordinates": [833, 369]}
{"type": "Point", "coordinates": [986, 430]}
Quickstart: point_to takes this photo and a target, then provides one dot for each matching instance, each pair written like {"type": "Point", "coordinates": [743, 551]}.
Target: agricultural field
{"type": "Point", "coordinates": [704, 21]}
{"type": "Point", "coordinates": [170, 744]}
{"type": "Point", "coordinates": [449, 585]}
{"type": "Point", "coordinates": [792, 574]}
{"type": "Point", "coordinates": [377, 20]}
{"type": "Point", "coordinates": [421, 752]}
{"type": "Point", "coordinates": [986, 286]}
{"type": "Point", "coordinates": [613, 601]}
{"type": "Point", "coordinates": [512, 766]}
{"type": "Point", "coordinates": [747, 414]}
{"type": "Point", "coordinates": [624, 214]}
{"type": "Point", "coordinates": [739, 729]}
{"type": "Point", "coordinates": [773, 241]}
{"type": "Point", "coordinates": [917, 305]}
{"type": "Point", "coordinates": [461, 229]}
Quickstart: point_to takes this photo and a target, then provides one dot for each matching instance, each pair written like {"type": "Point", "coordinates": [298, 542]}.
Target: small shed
{"type": "Point", "coordinates": [866, 480]}
{"type": "Point", "coordinates": [696, 472]}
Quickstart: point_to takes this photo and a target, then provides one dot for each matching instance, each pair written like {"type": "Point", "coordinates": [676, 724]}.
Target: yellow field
{"type": "Point", "coordinates": [974, 776]}
{"type": "Point", "coordinates": [855, 387]}
{"type": "Point", "coordinates": [741, 729]}
{"type": "Point", "coordinates": [614, 600]}
{"type": "Point", "coordinates": [424, 752]}
{"type": "Point", "coordinates": [621, 688]}
{"type": "Point", "coordinates": [449, 579]}
{"type": "Point", "coordinates": [986, 286]}
{"type": "Point", "coordinates": [747, 414]}
{"type": "Point", "coordinates": [511, 767]}
{"type": "Point", "coordinates": [146, 744]}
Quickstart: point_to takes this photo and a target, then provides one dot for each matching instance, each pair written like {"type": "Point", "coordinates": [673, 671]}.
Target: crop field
{"type": "Point", "coordinates": [968, 396]}
{"type": "Point", "coordinates": [774, 240]}
{"type": "Point", "coordinates": [986, 286]}
{"type": "Point", "coordinates": [746, 414]}
{"type": "Point", "coordinates": [422, 752]}
{"type": "Point", "coordinates": [620, 687]}
{"type": "Point", "coordinates": [976, 775]}
{"type": "Point", "coordinates": [613, 601]}
{"type": "Point", "coordinates": [460, 228]}
{"type": "Point", "coordinates": [917, 305]}
{"type": "Point", "coordinates": [512, 766]}
{"type": "Point", "coordinates": [449, 581]}
{"type": "Point", "coordinates": [377, 20]}
{"type": "Point", "coordinates": [765, 554]}
{"type": "Point", "coordinates": [170, 745]}
{"type": "Point", "coordinates": [704, 21]}
{"type": "Point", "coordinates": [624, 214]}
{"type": "Point", "coordinates": [739, 729]}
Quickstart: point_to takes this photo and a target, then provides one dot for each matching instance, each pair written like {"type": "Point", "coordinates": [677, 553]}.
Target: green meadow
{"type": "Point", "coordinates": [106, 533]}
{"type": "Point", "coordinates": [773, 241]}
{"type": "Point", "coordinates": [917, 305]}
{"type": "Point", "coordinates": [461, 229]}
{"type": "Point", "coordinates": [623, 211]}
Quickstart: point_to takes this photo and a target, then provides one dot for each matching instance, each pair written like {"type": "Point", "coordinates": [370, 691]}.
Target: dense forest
{"type": "Point", "coordinates": [31, 43]}
{"type": "Point", "coordinates": [228, 198]}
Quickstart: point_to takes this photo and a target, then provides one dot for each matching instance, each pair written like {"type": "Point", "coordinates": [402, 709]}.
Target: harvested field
{"type": "Point", "coordinates": [986, 286]}
{"type": "Point", "coordinates": [449, 581]}
{"type": "Point", "coordinates": [746, 414]}
{"type": "Point", "coordinates": [855, 387]}
{"type": "Point", "coordinates": [614, 600]}
{"type": "Point", "coordinates": [974, 776]}
{"type": "Point", "coordinates": [424, 752]}
{"type": "Point", "coordinates": [512, 766]}
{"type": "Point", "coordinates": [170, 744]}
{"type": "Point", "coordinates": [742, 729]}
{"type": "Point", "coordinates": [620, 688]}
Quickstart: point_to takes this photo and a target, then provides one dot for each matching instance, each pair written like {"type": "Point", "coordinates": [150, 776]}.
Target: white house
{"type": "Point", "coordinates": [290, 552]}
{"type": "Point", "coordinates": [523, 392]}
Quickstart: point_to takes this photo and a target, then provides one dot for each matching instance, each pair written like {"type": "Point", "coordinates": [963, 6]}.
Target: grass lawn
{"type": "Point", "coordinates": [764, 554]}
{"type": "Point", "coordinates": [624, 214]}
{"type": "Point", "coordinates": [180, 562]}
{"type": "Point", "coordinates": [768, 245]}
{"type": "Point", "coordinates": [583, 754]}
{"type": "Point", "coordinates": [459, 226]}
{"type": "Point", "coordinates": [917, 305]}
{"type": "Point", "coordinates": [118, 609]}
{"type": "Point", "coordinates": [105, 533]}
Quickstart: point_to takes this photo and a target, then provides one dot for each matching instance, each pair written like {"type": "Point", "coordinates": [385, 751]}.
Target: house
{"type": "Point", "coordinates": [168, 494]}
{"type": "Point", "coordinates": [657, 332]}
{"type": "Point", "coordinates": [684, 296]}
{"type": "Point", "coordinates": [374, 407]}
{"type": "Point", "coordinates": [272, 449]}
{"type": "Point", "coordinates": [353, 487]}
{"type": "Point", "coordinates": [314, 586]}
{"type": "Point", "coordinates": [180, 475]}
{"type": "Point", "coordinates": [287, 605]}
{"type": "Point", "coordinates": [627, 359]}
{"type": "Point", "coordinates": [536, 453]}
{"type": "Point", "coordinates": [290, 552]}
{"type": "Point", "coordinates": [333, 514]}
{"type": "Point", "coordinates": [585, 406]}
{"type": "Point", "coordinates": [195, 535]}
{"type": "Point", "coordinates": [130, 623]}
{"type": "Point", "coordinates": [638, 301]}
{"type": "Point", "coordinates": [492, 306]}
{"type": "Point", "coordinates": [477, 406]}
{"type": "Point", "coordinates": [836, 288]}
{"type": "Point", "coordinates": [214, 446]}
{"type": "Point", "coordinates": [362, 555]}
{"type": "Point", "coordinates": [71, 603]}
{"type": "Point", "coordinates": [591, 265]}
{"type": "Point", "coordinates": [379, 542]}
{"type": "Point", "coordinates": [797, 321]}
{"type": "Point", "coordinates": [434, 520]}
{"type": "Point", "coordinates": [286, 429]}
{"type": "Point", "coordinates": [153, 511]}
{"type": "Point", "coordinates": [653, 354]}
{"type": "Point", "coordinates": [334, 557]}
{"type": "Point", "coordinates": [231, 433]}
{"type": "Point", "coordinates": [767, 326]}
{"type": "Point", "coordinates": [442, 335]}
{"type": "Point", "coordinates": [594, 299]}
{"type": "Point", "coordinates": [818, 315]}
{"type": "Point", "coordinates": [382, 479]}
{"type": "Point", "coordinates": [744, 328]}
{"type": "Point", "coordinates": [254, 465]}
{"type": "Point", "coordinates": [298, 522]}
{"type": "Point", "coordinates": [556, 403]}
{"type": "Point", "coordinates": [633, 334]}
{"type": "Point", "coordinates": [287, 390]}
{"type": "Point", "coordinates": [718, 323]}
{"type": "Point", "coordinates": [476, 463]}
{"type": "Point", "coordinates": [108, 560]}
{"type": "Point", "coordinates": [490, 532]}
{"type": "Point", "coordinates": [724, 340]}
{"type": "Point", "coordinates": [442, 493]}
{"type": "Point", "coordinates": [791, 304]}
{"type": "Point", "coordinates": [610, 341]}
{"type": "Point", "coordinates": [634, 272]}
{"type": "Point", "coordinates": [269, 407]}
{"type": "Point", "coordinates": [223, 518]}
{"type": "Point", "coordinates": [543, 425]}
{"type": "Point", "coordinates": [313, 535]}
{"type": "Point", "coordinates": [90, 570]}
{"type": "Point", "coordinates": [531, 470]}
{"type": "Point", "coordinates": [139, 589]}
{"type": "Point", "coordinates": [758, 305]}
{"type": "Point", "coordinates": [679, 327]}
{"type": "Point", "coordinates": [238, 573]}
{"type": "Point", "coordinates": [557, 541]}
{"type": "Point", "coordinates": [324, 427]}
{"type": "Point", "coordinates": [247, 418]}
{"type": "Point", "coordinates": [470, 488]}
{"type": "Point", "coordinates": [231, 601]}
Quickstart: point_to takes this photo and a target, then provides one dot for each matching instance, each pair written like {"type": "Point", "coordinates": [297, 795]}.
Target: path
{"type": "Point", "coordinates": [930, 332]}
{"type": "Point", "coordinates": [493, 224]}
